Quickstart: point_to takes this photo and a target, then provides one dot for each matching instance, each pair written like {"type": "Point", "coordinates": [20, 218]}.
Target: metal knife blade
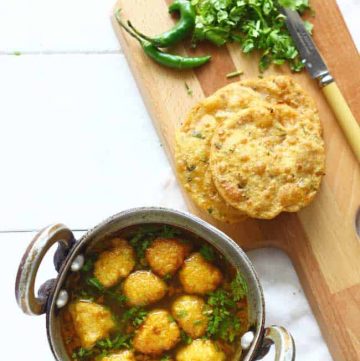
{"type": "Point", "coordinates": [306, 47]}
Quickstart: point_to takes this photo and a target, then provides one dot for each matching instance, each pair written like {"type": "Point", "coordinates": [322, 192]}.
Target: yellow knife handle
{"type": "Point", "coordinates": [343, 114]}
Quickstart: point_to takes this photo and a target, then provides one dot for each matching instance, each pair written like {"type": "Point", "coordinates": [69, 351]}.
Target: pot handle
{"type": "Point", "coordinates": [25, 279]}
{"type": "Point", "coordinates": [283, 341]}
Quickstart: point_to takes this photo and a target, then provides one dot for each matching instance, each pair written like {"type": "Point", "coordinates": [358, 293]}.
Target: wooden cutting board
{"type": "Point", "coordinates": [321, 240]}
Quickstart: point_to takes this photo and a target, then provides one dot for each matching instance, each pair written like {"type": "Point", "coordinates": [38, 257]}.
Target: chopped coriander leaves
{"type": "Point", "coordinates": [144, 237]}
{"type": "Point", "coordinates": [165, 358]}
{"type": "Point", "coordinates": [88, 265]}
{"type": "Point", "coordinates": [222, 309]}
{"type": "Point", "coordinates": [82, 354]}
{"type": "Point", "coordinates": [169, 232]}
{"type": "Point", "coordinates": [239, 287]}
{"type": "Point", "coordinates": [308, 26]}
{"type": "Point", "coordinates": [103, 347]}
{"type": "Point", "coordinates": [222, 323]}
{"type": "Point", "coordinates": [207, 252]}
{"type": "Point", "coordinates": [100, 289]}
{"type": "Point", "coordinates": [94, 282]}
{"type": "Point", "coordinates": [141, 245]}
{"type": "Point", "coordinates": [135, 315]}
{"type": "Point", "coordinates": [254, 24]}
{"type": "Point", "coordinates": [185, 338]}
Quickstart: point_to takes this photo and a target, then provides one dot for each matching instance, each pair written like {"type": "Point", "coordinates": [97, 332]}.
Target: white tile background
{"type": "Point", "coordinates": [76, 145]}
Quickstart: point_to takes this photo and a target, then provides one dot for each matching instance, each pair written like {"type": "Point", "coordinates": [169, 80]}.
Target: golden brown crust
{"type": "Point", "coordinates": [158, 333]}
{"type": "Point", "coordinates": [116, 263]}
{"type": "Point", "coordinates": [166, 255]}
{"type": "Point", "coordinates": [143, 288]}
{"type": "Point", "coordinates": [188, 311]}
{"type": "Point", "coordinates": [282, 89]}
{"type": "Point", "coordinates": [192, 151]}
{"type": "Point", "coordinates": [199, 276]}
{"type": "Point", "coordinates": [92, 322]}
{"type": "Point", "coordinates": [200, 350]}
{"type": "Point", "coordinates": [194, 138]}
{"type": "Point", "coordinates": [268, 159]}
{"type": "Point", "coordinates": [120, 356]}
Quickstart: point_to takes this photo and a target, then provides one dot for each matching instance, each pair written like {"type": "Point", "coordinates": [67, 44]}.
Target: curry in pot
{"type": "Point", "coordinates": [155, 293]}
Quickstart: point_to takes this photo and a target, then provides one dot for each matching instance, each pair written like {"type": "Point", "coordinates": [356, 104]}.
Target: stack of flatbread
{"type": "Point", "coordinates": [252, 149]}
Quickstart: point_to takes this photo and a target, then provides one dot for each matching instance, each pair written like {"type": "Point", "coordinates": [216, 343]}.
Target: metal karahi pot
{"type": "Point", "coordinates": [69, 258]}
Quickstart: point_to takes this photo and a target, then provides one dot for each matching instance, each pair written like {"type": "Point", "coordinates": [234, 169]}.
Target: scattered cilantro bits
{"type": "Point", "coordinates": [144, 237]}
{"type": "Point", "coordinates": [98, 289]}
{"type": "Point", "coordinates": [222, 323]}
{"type": "Point", "coordinates": [222, 307]}
{"type": "Point", "coordinates": [207, 252]}
{"type": "Point", "coordinates": [225, 308]}
{"type": "Point", "coordinates": [254, 24]}
{"type": "Point", "coordinates": [239, 287]}
{"type": "Point", "coordinates": [135, 315]}
{"type": "Point", "coordinates": [103, 347]}
{"type": "Point", "coordinates": [185, 338]}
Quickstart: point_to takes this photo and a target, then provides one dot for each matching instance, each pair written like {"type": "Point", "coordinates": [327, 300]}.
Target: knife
{"type": "Point", "coordinates": [318, 70]}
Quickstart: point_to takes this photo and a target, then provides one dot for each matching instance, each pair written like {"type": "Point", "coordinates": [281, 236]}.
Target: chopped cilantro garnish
{"type": "Point", "coordinates": [239, 287]}
{"type": "Point", "coordinates": [165, 358]}
{"type": "Point", "coordinates": [222, 309]}
{"type": "Point", "coordinates": [100, 289]}
{"type": "Point", "coordinates": [94, 282]}
{"type": "Point", "coordinates": [102, 347]}
{"type": "Point", "coordinates": [207, 252]}
{"type": "Point", "coordinates": [254, 24]}
{"type": "Point", "coordinates": [222, 323]}
{"type": "Point", "coordinates": [185, 338]}
{"type": "Point", "coordinates": [145, 235]}
{"type": "Point", "coordinates": [88, 265]}
{"type": "Point", "coordinates": [135, 315]}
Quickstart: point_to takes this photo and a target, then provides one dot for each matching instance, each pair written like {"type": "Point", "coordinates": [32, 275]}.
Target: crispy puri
{"type": "Point", "coordinates": [198, 276]}
{"type": "Point", "coordinates": [194, 150]}
{"type": "Point", "coordinates": [193, 147]}
{"type": "Point", "coordinates": [157, 334]}
{"type": "Point", "coordinates": [115, 264]}
{"type": "Point", "coordinates": [268, 159]}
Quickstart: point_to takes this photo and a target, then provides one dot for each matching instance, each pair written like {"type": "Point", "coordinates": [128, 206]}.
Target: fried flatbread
{"type": "Point", "coordinates": [282, 89]}
{"type": "Point", "coordinates": [193, 138]}
{"type": "Point", "coordinates": [268, 159]}
{"type": "Point", "coordinates": [193, 147]}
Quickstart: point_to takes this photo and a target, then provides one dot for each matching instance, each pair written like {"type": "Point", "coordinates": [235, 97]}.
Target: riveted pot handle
{"type": "Point", "coordinates": [25, 279]}
{"type": "Point", "coordinates": [283, 341]}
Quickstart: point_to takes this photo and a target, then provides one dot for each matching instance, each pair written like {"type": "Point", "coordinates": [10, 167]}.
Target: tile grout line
{"type": "Point", "coordinates": [65, 52]}
{"type": "Point", "coordinates": [37, 230]}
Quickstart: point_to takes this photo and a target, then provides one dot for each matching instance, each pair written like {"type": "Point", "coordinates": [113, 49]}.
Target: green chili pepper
{"type": "Point", "coordinates": [166, 59]}
{"type": "Point", "coordinates": [181, 30]}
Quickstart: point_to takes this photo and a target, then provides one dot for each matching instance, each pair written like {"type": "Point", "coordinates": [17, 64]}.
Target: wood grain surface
{"type": "Point", "coordinates": [321, 240]}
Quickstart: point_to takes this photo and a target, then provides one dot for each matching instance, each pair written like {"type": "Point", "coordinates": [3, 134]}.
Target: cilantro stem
{"type": "Point", "coordinates": [234, 74]}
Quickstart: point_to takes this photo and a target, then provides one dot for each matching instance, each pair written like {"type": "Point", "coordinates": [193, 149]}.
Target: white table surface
{"type": "Point", "coordinates": [77, 145]}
